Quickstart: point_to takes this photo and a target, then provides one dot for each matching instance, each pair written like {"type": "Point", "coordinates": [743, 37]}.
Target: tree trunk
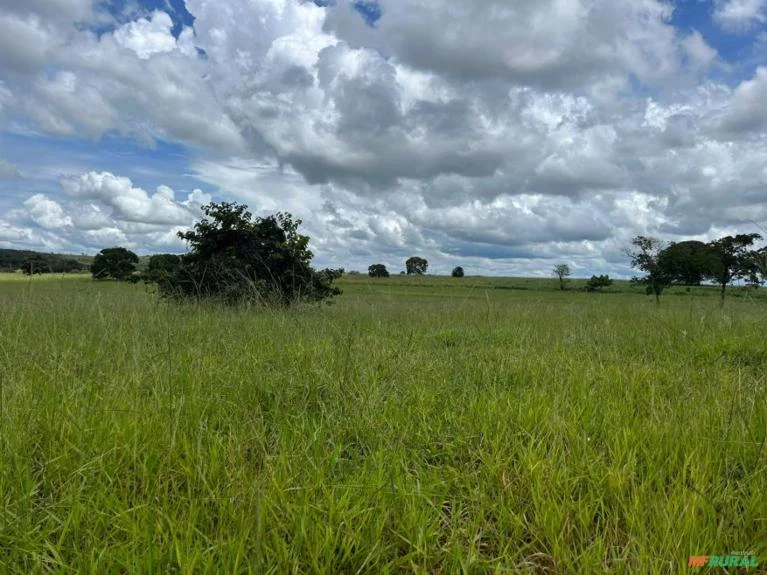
{"type": "Point", "coordinates": [721, 294]}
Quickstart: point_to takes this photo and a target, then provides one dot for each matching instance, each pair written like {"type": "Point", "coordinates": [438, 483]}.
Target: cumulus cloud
{"type": "Point", "coordinates": [148, 36]}
{"type": "Point", "coordinates": [746, 112]}
{"type": "Point", "coordinates": [460, 131]}
{"type": "Point", "coordinates": [47, 213]}
{"type": "Point", "coordinates": [700, 54]}
{"type": "Point", "coordinates": [739, 15]}
{"type": "Point", "coordinates": [100, 209]}
{"type": "Point", "coordinates": [130, 203]}
{"type": "Point", "coordinates": [494, 38]}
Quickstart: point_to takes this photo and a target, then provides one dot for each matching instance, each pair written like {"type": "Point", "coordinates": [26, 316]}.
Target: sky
{"type": "Point", "coordinates": [505, 137]}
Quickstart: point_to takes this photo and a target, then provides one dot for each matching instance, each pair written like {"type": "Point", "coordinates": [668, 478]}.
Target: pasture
{"type": "Point", "coordinates": [424, 425]}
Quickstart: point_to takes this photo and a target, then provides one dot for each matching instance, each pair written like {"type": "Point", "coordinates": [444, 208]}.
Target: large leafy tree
{"type": "Point", "coordinates": [416, 266]}
{"type": "Point", "coordinates": [114, 263]}
{"type": "Point", "coordinates": [457, 272]}
{"type": "Point", "coordinates": [732, 259]}
{"type": "Point", "coordinates": [235, 257]}
{"type": "Point", "coordinates": [646, 256]}
{"type": "Point", "coordinates": [378, 271]}
{"type": "Point", "coordinates": [688, 263]}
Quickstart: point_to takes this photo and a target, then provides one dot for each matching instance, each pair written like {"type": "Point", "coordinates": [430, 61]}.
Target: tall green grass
{"type": "Point", "coordinates": [416, 425]}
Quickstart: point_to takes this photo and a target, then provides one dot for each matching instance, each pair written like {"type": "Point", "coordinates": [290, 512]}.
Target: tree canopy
{"type": "Point", "coordinates": [646, 255]}
{"type": "Point", "coordinates": [235, 257]}
{"type": "Point", "coordinates": [688, 263]}
{"type": "Point", "coordinates": [732, 259]}
{"type": "Point", "coordinates": [378, 271]}
{"type": "Point", "coordinates": [598, 282]}
{"type": "Point", "coordinates": [114, 263]}
{"type": "Point", "coordinates": [416, 266]}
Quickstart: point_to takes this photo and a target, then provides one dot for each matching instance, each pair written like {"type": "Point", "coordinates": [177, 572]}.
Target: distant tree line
{"type": "Point", "coordinates": [33, 263]}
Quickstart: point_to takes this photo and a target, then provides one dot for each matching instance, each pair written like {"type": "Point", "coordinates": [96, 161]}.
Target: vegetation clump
{"type": "Point", "coordinates": [416, 266]}
{"type": "Point", "coordinates": [596, 283]}
{"type": "Point", "coordinates": [114, 263]}
{"type": "Point", "coordinates": [378, 271]}
{"type": "Point", "coordinates": [236, 258]}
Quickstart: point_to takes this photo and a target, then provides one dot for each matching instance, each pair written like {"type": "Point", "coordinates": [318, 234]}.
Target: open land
{"type": "Point", "coordinates": [426, 425]}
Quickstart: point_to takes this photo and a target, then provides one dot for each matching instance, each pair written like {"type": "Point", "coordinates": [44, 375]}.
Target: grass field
{"type": "Point", "coordinates": [424, 425]}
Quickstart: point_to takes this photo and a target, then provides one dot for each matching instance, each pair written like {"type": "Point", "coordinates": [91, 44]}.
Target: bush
{"type": "Point", "coordinates": [236, 258]}
{"type": "Point", "coordinates": [416, 266]}
{"type": "Point", "coordinates": [161, 267]}
{"type": "Point", "coordinates": [457, 272]}
{"type": "Point", "coordinates": [598, 282]}
{"type": "Point", "coordinates": [114, 263]}
{"type": "Point", "coordinates": [378, 271]}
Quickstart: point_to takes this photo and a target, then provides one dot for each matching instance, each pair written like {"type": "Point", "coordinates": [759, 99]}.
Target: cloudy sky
{"type": "Point", "coordinates": [501, 135]}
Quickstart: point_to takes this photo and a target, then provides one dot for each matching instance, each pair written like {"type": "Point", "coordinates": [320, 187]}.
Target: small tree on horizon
{"type": "Point", "coordinates": [237, 258]}
{"type": "Point", "coordinates": [562, 272]}
{"type": "Point", "coordinates": [416, 266]}
{"type": "Point", "coordinates": [114, 263]}
{"type": "Point", "coordinates": [378, 271]}
{"type": "Point", "coordinates": [646, 256]}
{"type": "Point", "coordinates": [598, 282]}
{"type": "Point", "coordinates": [457, 272]}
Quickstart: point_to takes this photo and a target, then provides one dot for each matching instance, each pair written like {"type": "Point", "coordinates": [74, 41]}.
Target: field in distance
{"type": "Point", "coordinates": [417, 424]}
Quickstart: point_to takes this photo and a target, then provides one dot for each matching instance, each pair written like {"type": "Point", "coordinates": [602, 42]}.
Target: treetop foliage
{"type": "Point", "coordinates": [598, 282]}
{"type": "Point", "coordinates": [235, 257]}
{"type": "Point", "coordinates": [114, 263]}
{"type": "Point", "coordinates": [416, 266]}
{"type": "Point", "coordinates": [378, 271]}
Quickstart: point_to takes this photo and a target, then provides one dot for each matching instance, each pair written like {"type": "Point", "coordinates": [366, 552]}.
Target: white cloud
{"type": "Point", "coordinates": [739, 15]}
{"type": "Point", "coordinates": [128, 203]}
{"type": "Point", "coordinates": [699, 52]}
{"type": "Point", "coordinates": [25, 41]}
{"type": "Point", "coordinates": [101, 210]}
{"type": "Point", "coordinates": [47, 213]}
{"type": "Point", "coordinates": [148, 36]}
{"type": "Point", "coordinates": [746, 112]}
{"type": "Point", "coordinates": [495, 38]}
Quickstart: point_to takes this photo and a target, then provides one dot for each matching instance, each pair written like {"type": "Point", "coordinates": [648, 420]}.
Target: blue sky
{"type": "Point", "coordinates": [739, 48]}
{"type": "Point", "coordinates": [473, 135]}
